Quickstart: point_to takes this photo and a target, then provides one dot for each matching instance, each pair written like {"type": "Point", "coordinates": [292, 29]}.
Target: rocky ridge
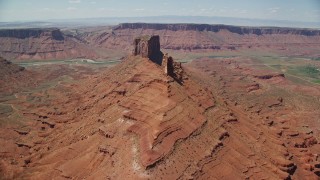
{"type": "Point", "coordinates": [138, 117]}
{"type": "Point", "coordinates": [242, 30]}
{"type": "Point", "coordinates": [54, 33]}
{"type": "Point", "coordinates": [40, 44]}
{"type": "Point", "coordinates": [204, 37]}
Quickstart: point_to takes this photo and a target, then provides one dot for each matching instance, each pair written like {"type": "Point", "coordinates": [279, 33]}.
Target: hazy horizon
{"type": "Point", "coordinates": [35, 10]}
{"type": "Point", "coordinates": [106, 21]}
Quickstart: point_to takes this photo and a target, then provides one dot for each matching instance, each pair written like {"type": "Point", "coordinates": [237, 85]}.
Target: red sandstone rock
{"type": "Point", "coordinates": [133, 121]}
{"type": "Point", "coordinates": [41, 44]}
{"type": "Point", "coordinates": [148, 47]}
{"type": "Point", "coordinates": [207, 37]}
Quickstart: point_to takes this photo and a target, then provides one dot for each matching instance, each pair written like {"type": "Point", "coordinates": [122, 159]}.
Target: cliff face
{"type": "Point", "coordinates": [40, 44]}
{"type": "Point", "coordinates": [53, 33]}
{"type": "Point", "coordinates": [148, 47]}
{"type": "Point", "coordinates": [208, 37]}
{"type": "Point", "coordinates": [217, 28]}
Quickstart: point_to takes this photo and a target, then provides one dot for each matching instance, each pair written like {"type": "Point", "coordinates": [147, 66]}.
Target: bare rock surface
{"type": "Point", "coordinates": [138, 120]}
{"type": "Point", "coordinates": [148, 47]}
{"type": "Point", "coordinates": [39, 44]}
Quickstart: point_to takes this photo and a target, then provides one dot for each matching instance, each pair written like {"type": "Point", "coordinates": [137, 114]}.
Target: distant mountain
{"type": "Point", "coordinates": [160, 19]}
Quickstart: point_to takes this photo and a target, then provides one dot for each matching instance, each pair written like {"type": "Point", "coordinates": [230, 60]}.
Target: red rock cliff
{"type": "Point", "coordinates": [53, 33]}
{"type": "Point", "coordinates": [48, 43]}
{"type": "Point", "coordinates": [208, 37]}
{"type": "Point", "coordinates": [148, 47]}
{"type": "Point", "coordinates": [218, 27]}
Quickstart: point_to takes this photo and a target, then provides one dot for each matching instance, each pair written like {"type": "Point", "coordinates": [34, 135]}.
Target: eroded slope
{"type": "Point", "coordinates": [122, 124]}
{"type": "Point", "coordinates": [276, 134]}
{"type": "Point", "coordinates": [224, 121]}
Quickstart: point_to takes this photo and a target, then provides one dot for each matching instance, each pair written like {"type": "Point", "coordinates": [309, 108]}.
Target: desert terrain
{"type": "Point", "coordinates": [160, 101]}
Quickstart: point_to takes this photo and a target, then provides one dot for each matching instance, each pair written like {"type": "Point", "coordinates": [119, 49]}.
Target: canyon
{"type": "Point", "coordinates": [229, 113]}
{"type": "Point", "coordinates": [195, 37]}
{"type": "Point", "coordinates": [52, 43]}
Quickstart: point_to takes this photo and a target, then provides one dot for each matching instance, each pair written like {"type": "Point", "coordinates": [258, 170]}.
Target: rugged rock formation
{"type": "Point", "coordinates": [204, 37]}
{"type": "Point", "coordinates": [172, 68]}
{"type": "Point", "coordinates": [268, 135]}
{"type": "Point", "coordinates": [40, 44]}
{"type": "Point", "coordinates": [148, 47]}
{"type": "Point", "coordinates": [139, 116]}
{"type": "Point", "coordinates": [216, 28]}
{"type": "Point", "coordinates": [137, 120]}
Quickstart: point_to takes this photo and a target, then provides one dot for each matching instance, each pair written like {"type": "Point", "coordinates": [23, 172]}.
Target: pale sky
{"type": "Point", "coordinates": [34, 10]}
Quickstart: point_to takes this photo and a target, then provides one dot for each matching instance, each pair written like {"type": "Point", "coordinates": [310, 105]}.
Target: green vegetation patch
{"type": "Point", "coordinates": [6, 97]}
{"type": "Point", "coordinates": [277, 66]}
{"type": "Point", "coordinates": [309, 71]}
{"type": "Point", "coordinates": [316, 81]}
{"type": "Point", "coordinates": [213, 57]}
{"type": "Point", "coordinates": [5, 109]}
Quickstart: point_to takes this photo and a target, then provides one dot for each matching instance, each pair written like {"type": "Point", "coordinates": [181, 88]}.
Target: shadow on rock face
{"type": "Point", "coordinates": [148, 47]}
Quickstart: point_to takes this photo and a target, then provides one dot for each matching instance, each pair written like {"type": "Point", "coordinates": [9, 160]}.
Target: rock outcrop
{"type": "Point", "coordinates": [172, 68]}
{"type": "Point", "coordinates": [148, 47]}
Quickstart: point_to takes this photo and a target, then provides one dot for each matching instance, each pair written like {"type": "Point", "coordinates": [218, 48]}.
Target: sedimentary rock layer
{"type": "Point", "coordinates": [207, 37]}
{"type": "Point", "coordinates": [41, 44]}
{"type": "Point", "coordinates": [220, 27]}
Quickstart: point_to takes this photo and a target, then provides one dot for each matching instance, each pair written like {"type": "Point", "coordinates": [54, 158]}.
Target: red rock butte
{"type": "Point", "coordinates": [148, 47]}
